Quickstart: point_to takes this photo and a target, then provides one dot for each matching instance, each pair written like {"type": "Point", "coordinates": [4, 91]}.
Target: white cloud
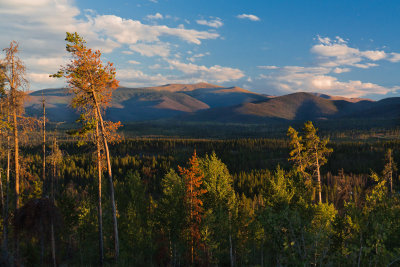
{"type": "Point", "coordinates": [335, 53]}
{"type": "Point", "coordinates": [127, 52]}
{"type": "Point", "coordinates": [197, 56]}
{"type": "Point", "coordinates": [215, 73]}
{"type": "Point", "coordinates": [268, 67]}
{"type": "Point", "coordinates": [190, 73]}
{"type": "Point", "coordinates": [394, 57]}
{"type": "Point", "coordinates": [127, 31]}
{"type": "Point", "coordinates": [292, 79]}
{"type": "Point", "coordinates": [40, 28]}
{"type": "Point", "coordinates": [341, 70]}
{"type": "Point", "coordinates": [155, 67]}
{"type": "Point", "coordinates": [151, 50]}
{"type": "Point", "coordinates": [215, 23]}
{"type": "Point", "coordinates": [133, 62]}
{"type": "Point", "coordinates": [324, 40]}
{"type": "Point", "coordinates": [248, 16]}
{"type": "Point", "coordinates": [374, 55]}
{"type": "Point", "coordinates": [155, 16]}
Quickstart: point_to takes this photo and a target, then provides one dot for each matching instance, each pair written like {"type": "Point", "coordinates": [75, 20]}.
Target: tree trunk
{"type": "Point", "coordinates": [16, 159]}
{"type": "Point", "coordinates": [99, 209]}
{"type": "Point", "coordinates": [52, 198]}
{"type": "Point", "coordinates": [5, 210]}
{"type": "Point", "coordinates": [54, 167]}
{"type": "Point", "coordinates": [45, 186]}
{"type": "Point", "coordinates": [391, 173]}
{"type": "Point", "coordinates": [110, 179]}
{"type": "Point", "coordinates": [44, 147]}
{"type": "Point", "coordinates": [230, 241]}
{"type": "Point", "coordinates": [318, 178]}
{"type": "Point", "coordinates": [53, 245]}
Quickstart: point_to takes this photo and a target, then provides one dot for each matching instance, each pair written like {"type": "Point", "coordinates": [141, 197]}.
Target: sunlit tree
{"type": "Point", "coordinates": [92, 84]}
{"type": "Point", "coordinates": [194, 204]}
{"type": "Point", "coordinates": [309, 153]}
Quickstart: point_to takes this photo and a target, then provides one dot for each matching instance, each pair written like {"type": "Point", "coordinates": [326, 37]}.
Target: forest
{"type": "Point", "coordinates": [94, 195]}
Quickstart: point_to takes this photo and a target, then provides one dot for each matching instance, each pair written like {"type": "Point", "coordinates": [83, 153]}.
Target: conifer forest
{"type": "Point", "coordinates": [91, 194]}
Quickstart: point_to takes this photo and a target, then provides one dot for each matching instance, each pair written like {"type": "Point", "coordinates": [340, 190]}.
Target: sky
{"type": "Point", "coordinates": [335, 47]}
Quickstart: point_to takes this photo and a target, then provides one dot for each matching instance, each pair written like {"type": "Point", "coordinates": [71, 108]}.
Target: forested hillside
{"type": "Point", "coordinates": [267, 193]}
{"type": "Point", "coordinates": [94, 193]}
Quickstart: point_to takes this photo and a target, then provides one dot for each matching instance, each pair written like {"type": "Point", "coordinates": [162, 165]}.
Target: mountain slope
{"type": "Point", "coordinates": [207, 102]}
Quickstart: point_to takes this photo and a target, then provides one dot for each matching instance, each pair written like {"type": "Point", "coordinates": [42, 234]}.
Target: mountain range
{"type": "Point", "coordinates": [212, 103]}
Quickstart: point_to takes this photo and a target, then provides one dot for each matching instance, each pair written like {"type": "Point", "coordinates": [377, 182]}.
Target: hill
{"type": "Point", "coordinates": [212, 103]}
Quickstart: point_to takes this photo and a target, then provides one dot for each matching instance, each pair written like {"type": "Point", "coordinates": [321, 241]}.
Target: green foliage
{"type": "Point", "coordinates": [268, 215]}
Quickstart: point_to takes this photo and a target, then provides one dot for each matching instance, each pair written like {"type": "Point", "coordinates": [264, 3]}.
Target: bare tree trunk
{"type": "Point", "coordinates": [391, 173]}
{"type": "Point", "coordinates": [44, 145]}
{"type": "Point", "coordinates": [45, 185]}
{"type": "Point", "coordinates": [16, 159]}
{"type": "Point", "coordinates": [230, 241]}
{"type": "Point", "coordinates": [53, 245]}
{"type": "Point", "coordinates": [318, 178]}
{"type": "Point", "coordinates": [99, 209]}
{"type": "Point", "coordinates": [5, 210]}
{"type": "Point", "coordinates": [52, 198]}
{"type": "Point", "coordinates": [54, 167]}
{"type": "Point", "coordinates": [16, 162]}
{"type": "Point", "coordinates": [110, 179]}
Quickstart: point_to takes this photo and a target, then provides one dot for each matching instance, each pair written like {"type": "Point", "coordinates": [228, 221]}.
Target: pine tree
{"type": "Point", "coordinates": [220, 204]}
{"type": "Point", "coordinates": [92, 84]}
{"type": "Point", "coordinates": [309, 153]}
{"type": "Point", "coordinates": [389, 169]}
{"type": "Point", "coordinates": [13, 73]}
{"type": "Point", "coordinates": [297, 154]}
{"type": "Point", "coordinates": [194, 204]}
{"type": "Point", "coordinates": [316, 153]}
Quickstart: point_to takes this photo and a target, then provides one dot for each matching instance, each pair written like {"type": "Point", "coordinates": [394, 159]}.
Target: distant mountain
{"type": "Point", "coordinates": [330, 97]}
{"type": "Point", "coordinates": [302, 106]}
{"type": "Point", "coordinates": [150, 103]}
{"type": "Point", "coordinates": [208, 102]}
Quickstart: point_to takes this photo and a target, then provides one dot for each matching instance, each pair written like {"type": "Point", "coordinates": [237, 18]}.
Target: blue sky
{"type": "Point", "coordinates": [348, 48]}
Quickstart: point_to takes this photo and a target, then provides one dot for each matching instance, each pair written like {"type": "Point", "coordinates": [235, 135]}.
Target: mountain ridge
{"type": "Point", "coordinates": [208, 102]}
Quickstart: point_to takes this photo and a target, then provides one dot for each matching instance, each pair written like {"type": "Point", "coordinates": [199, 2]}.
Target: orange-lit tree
{"type": "Point", "coordinates": [13, 72]}
{"type": "Point", "coordinates": [194, 205]}
{"type": "Point", "coordinates": [14, 82]}
{"type": "Point", "coordinates": [92, 84]}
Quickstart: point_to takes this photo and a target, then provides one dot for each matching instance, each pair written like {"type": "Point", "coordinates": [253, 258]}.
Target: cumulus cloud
{"type": "Point", "coordinates": [292, 79]}
{"type": "Point", "coordinates": [334, 56]}
{"type": "Point", "coordinates": [248, 16]}
{"type": "Point", "coordinates": [190, 73]}
{"type": "Point", "coordinates": [394, 57]}
{"type": "Point", "coordinates": [197, 56]}
{"type": "Point", "coordinates": [341, 70]}
{"type": "Point", "coordinates": [133, 62]}
{"type": "Point", "coordinates": [155, 16]}
{"type": "Point", "coordinates": [128, 31]}
{"type": "Point", "coordinates": [215, 23]}
{"type": "Point", "coordinates": [336, 52]}
{"type": "Point", "coordinates": [151, 50]}
{"type": "Point", "coordinates": [40, 28]}
{"type": "Point", "coordinates": [215, 73]}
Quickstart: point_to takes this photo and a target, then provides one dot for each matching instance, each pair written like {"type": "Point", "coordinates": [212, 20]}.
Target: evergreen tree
{"type": "Point", "coordinates": [194, 205]}
{"type": "Point", "coordinates": [220, 206]}
{"type": "Point", "coordinates": [389, 169]}
{"type": "Point", "coordinates": [92, 84]}
{"type": "Point", "coordinates": [309, 152]}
